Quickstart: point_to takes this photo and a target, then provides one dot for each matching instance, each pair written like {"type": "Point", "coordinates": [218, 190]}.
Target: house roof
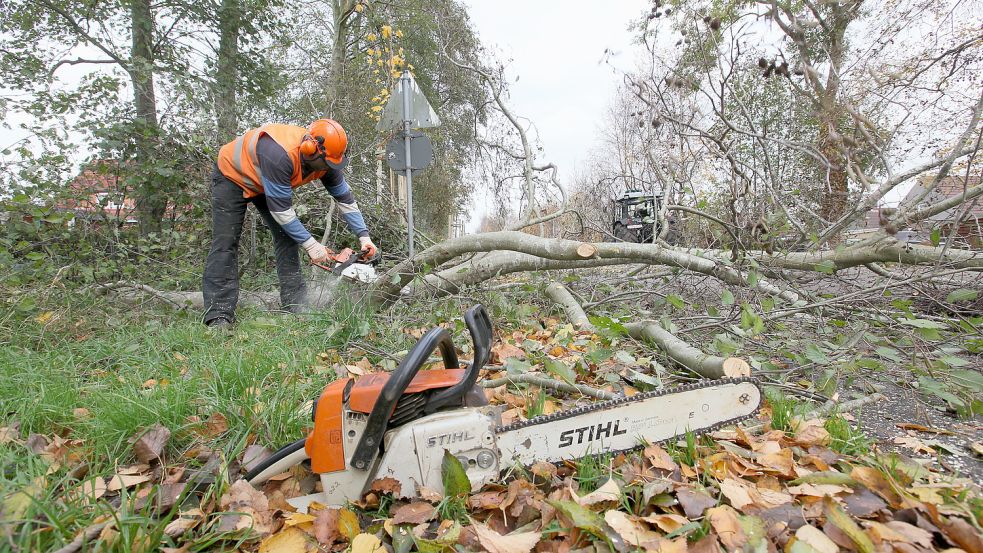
{"type": "Point", "coordinates": [947, 188]}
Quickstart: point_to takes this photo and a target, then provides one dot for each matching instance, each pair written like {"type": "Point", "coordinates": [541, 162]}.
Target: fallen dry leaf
{"type": "Point", "coordinates": [914, 444]}
{"type": "Point", "coordinates": [503, 350]}
{"type": "Point", "coordinates": [741, 494]}
{"type": "Point", "coordinates": [863, 503]}
{"type": "Point", "coordinates": [842, 521]}
{"type": "Point", "coordinates": [811, 433]}
{"type": "Point", "coordinates": [245, 507]}
{"type": "Point", "coordinates": [427, 494]}
{"type": "Point", "coordinates": [121, 481]}
{"type": "Point", "coordinates": [326, 525]}
{"type": "Point", "coordinates": [386, 485]}
{"type": "Point", "coordinates": [367, 543]}
{"type": "Point", "coordinates": [185, 521]}
{"type": "Point", "coordinates": [288, 540]}
{"type": "Point", "coordinates": [631, 530]}
{"type": "Point", "coordinates": [348, 525]}
{"type": "Point", "coordinates": [610, 491]}
{"type": "Point", "coordinates": [253, 456]}
{"type": "Point", "coordinates": [659, 458]}
{"type": "Point", "coordinates": [668, 523]}
{"type": "Point", "coordinates": [728, 528]}
{"type": "Point", "coordinates": [148, 445]}
{"type": "Point", "coordinates": [215, 425]}
{"type": "Point", "coordinates": [875, 480]}
{"type": "Point", "coordinates": [493, 542]}
{"type": "Point", "coordinates": [901, 532]}
{"type": "Point", "coordinates": [91, 489]}
{"type": "Point", "coordinates": [417, 512]}
{"type": "Point", "coordinates": [694, 502]}
{"type": "Point", "coordinates": [816, 539]}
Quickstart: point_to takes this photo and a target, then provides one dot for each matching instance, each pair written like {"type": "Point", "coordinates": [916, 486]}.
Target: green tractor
{"type": "Point", "coordinates": [635, 216]}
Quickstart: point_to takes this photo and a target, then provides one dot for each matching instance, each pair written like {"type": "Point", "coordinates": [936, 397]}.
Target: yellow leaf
{"type": "Point", "coordinates": [376, 108]}
{"type": "Point", "coordinates": [290, 540]}
{"type": "Point", "coordinates": [371, 37]}
{"type": "Point", "coordinates": [359, 8]}
{"type": "Point", "coordinates": [367, 543]}
{"type": "Point", "coordinates": [348, 525]}
{"type": "Point", "coordinates": [399, 34]}
{"type": "Point", "coordinates": [45, 317]}
{"type": "Point", "coordinates": [386, 31]}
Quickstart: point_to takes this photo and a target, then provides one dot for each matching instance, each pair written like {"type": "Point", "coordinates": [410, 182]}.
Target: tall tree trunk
{"type": "Point", "coordinates": [227, 73]}
{"type": "Point", "coordinates": [150, 201]}
{"type": "Point", "coordinates": [834, 201]}
{"type": "Point", "coordinates": [342, 10]}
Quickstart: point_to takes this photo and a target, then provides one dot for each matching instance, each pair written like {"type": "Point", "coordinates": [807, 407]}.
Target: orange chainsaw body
{"type": "Point", "coordinates": [324, 444]}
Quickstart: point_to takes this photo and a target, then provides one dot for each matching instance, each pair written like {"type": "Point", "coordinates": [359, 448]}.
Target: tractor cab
{"type": "Point", "coordinates": [635, 216]}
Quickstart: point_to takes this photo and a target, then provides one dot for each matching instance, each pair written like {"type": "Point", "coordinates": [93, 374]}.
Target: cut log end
{"type": "Point", "coordinates": [586, 250]}
{"type": "Point", "coordinates": [735, 367]}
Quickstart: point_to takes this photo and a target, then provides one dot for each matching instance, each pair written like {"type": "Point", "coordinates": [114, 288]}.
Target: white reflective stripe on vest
{"type": "Point", "coordinates": [237, 163]}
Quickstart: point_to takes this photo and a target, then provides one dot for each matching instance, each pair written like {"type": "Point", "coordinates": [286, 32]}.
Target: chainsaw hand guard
{"type": "Point", "coordinates": [480, 327]}
{"type": "Point", "coordinates": [378, 421]}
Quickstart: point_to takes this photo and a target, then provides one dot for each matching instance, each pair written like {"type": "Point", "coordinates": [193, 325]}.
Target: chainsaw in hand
{"type": "Point", "coordinates": [349, 264]}
{"type": "Point", "coordinates": [399, 424]}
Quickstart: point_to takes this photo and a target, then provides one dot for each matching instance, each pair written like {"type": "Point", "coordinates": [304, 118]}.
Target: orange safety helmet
{"type": "Point", "coordinates": [327, 138]}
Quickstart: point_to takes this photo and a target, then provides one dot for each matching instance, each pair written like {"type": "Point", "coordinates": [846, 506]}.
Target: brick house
{"type": "Point", "coordinates": [99, 193]}
{"type": "Point", "coordinates": [964, 223]}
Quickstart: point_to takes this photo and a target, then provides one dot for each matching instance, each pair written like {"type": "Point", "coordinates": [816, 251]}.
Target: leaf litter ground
{"type": "Point", "coordinates": [778, 482]}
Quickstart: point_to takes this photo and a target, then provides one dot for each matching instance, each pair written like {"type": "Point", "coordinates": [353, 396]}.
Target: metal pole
{"type": "Point", "coordinates": [409, 173]}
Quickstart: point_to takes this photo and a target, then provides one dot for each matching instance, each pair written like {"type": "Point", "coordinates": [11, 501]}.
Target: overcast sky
{"type": "Point", "coordinates": [556, 48]}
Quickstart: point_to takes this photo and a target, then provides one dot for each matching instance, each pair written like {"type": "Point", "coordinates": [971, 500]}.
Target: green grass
{"type": "Point", "coordinates": [592, 471]}
{"type": "Point", "coordinates": [80, 352]}
{"type": "Point", "coordinates": [846, 438]}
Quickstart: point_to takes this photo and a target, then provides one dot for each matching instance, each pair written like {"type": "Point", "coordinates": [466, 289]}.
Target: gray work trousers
{"type": "Point", "coordinates": [220, 284]}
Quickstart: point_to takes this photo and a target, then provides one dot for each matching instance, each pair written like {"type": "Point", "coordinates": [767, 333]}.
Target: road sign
{"type": "Point", "coordinates": [421, 152]}
{"type": "Point", "coordinates": [421, 115]}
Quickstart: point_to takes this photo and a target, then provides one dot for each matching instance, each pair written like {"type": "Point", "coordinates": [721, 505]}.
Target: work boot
{"type": "Point", "coordinates": [220, 325]}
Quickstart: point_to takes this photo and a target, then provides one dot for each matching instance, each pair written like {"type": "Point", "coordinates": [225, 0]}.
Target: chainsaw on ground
{"type": "Point", "coordinates": [398, 425]}
{"type": "Point", "coordinates": [351, 265]}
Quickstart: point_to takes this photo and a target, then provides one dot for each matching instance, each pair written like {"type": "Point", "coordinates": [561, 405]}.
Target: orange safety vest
{"type": "Point", "coordinates": [237, 160]}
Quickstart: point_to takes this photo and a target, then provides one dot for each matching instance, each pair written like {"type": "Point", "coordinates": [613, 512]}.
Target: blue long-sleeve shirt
{"type": "Point", "coordinates": [276, 169]}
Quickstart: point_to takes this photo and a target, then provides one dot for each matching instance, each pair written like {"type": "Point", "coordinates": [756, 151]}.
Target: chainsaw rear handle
{"type": "Point", "coordinates": [378, 421]}
{"type": "Point", "coordinates": [480, 327]}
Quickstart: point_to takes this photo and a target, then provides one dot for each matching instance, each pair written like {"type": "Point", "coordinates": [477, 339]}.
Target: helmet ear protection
{"type": "Point", "coordinates": [312, 145]}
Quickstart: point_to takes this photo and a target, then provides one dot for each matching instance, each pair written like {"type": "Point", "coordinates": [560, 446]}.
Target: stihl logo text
{"type": "Point", "coordinates": [450, 438]}
{"type": "Point", "coordinates": [591, 433]}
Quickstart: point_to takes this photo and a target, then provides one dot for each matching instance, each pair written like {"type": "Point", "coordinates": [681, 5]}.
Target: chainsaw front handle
{"type": "Point", "coordinates": [480, 327]}
{"type": "Point", "coordinates": [392, 391]}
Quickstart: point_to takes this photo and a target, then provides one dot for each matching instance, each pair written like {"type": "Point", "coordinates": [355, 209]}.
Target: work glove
{"type": "Point", "coordinates": [368, 247]}
{"type": "Point", "coordinates": [318, 253]}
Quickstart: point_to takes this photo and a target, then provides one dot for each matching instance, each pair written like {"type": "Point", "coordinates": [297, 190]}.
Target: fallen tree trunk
{"type": "Point", "coordinates": [546, 382]}
{"type": "Point", "coordinates": [704, 364]}
{"type": "Point", "coordinates": [575, 313]}
{"type": "Point", "coordinates": [567, 252]}
{"type": "Point", "coordinates": [319, 294]}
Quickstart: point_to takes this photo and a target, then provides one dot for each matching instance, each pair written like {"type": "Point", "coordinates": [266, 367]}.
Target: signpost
{"type": "Point", "coordinates": [409, 150]}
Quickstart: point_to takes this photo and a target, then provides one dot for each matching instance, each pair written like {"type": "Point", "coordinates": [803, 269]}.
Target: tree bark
{"type": "Point", "coordinates": [150, 202]}
{"type": "Point", "coordinates": [342, 10]}
{"type": "Point", "coordinates": [834, 201]}
{"type": "Point", "coordinates": [575, 313]}
{"type": "Point", "coordinates": [704, 364]}
{"type": "Point", "coordinates": [227, 70]}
